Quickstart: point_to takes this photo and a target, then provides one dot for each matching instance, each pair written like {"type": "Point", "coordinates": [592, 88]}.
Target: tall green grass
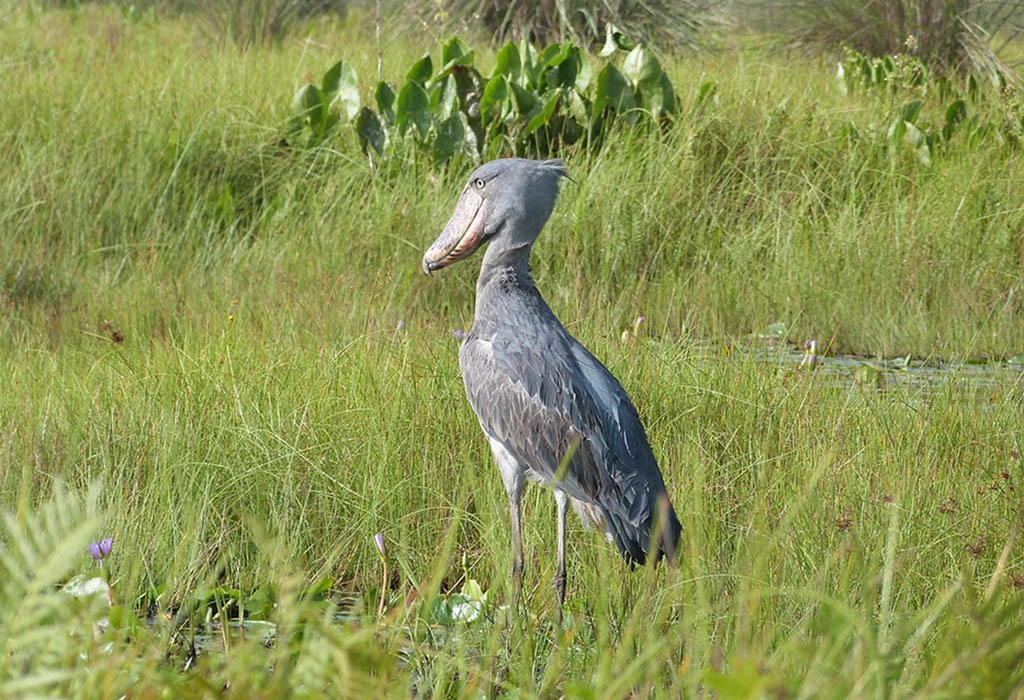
{"type": "Point", "coordinates": [221, 351]}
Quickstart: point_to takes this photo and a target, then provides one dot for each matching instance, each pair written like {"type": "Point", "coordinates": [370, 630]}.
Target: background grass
{"type": "Point", "coordinates": [223, 353]}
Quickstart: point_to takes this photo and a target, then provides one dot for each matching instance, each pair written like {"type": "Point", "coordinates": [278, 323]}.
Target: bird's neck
{"type": "Point", "coordinates": [506, 266]}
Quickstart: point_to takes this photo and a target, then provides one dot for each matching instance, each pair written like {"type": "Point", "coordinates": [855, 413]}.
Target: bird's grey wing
{"type": "Point", "coordinates": [526, 402]}
{"type": "Point", "coordinates": [543, 400]}
{"type": "Point", "coordinates": [631, 451]}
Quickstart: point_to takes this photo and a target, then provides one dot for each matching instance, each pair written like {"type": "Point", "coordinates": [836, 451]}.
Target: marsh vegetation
{"type": "Point", "coordinates": [217, 348]}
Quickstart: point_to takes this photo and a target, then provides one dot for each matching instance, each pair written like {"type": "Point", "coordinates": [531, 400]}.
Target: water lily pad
{"type": "Point", "coordinates": [869, 376]}
{"type": "Point", "coordinates": [775, 331]}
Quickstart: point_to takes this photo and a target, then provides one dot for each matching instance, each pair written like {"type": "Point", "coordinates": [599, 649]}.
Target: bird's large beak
{"type": "Point", "coordinates": [461, 236]}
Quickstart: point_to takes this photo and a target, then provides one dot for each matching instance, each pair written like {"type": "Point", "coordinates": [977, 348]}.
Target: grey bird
{"type": "Point", "coordinates": [551, 411]}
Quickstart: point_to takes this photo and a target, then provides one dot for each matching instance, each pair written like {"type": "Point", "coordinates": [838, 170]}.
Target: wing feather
{"type": "Point", "coordinates": [541, 400]}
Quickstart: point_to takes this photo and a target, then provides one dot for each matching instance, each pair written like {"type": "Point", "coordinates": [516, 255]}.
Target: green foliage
{"type": "Point", "coordinates": [949, 36]}
{"type": "Point", "coordinates": [236, 340]}
{"type": "Point", "coordinates": [318, 110]}
{"type": "Point", "coordinates": [904, 76]}
{"type": "Point", "coordinates": [533, 103]}
{"type": "Point", "coordinates": [46, 635]}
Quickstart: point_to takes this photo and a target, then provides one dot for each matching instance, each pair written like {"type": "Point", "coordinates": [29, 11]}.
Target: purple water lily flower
{"type": "Point", "coordinates": [810, 359]}
{"type": "Point", "coordinates": [101, 550]}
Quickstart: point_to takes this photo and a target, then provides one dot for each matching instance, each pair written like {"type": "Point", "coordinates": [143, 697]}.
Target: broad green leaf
{"type": "Point", "coordinates": [614, 91]}
{"type": "Point", "coordinates": [296, 123]}
{"type": "Point", "coordinates": [641, 66]}
{"type": "Point", "coordinates": [523, 100]}
{"type": "Point", "coordinates": [564, 68]}
{"type": "Point", "coordinates": [371, 131]}
{"type": "Point", "coordinates": [577, 108]}
{"type": "Point", "coordinates": [543, 116]}
{"type": "Point", "coordinates": [421, 70]}
{"type": "Point", "coordinates": [471, 145]}
{"type": "Point", "coordinates": [897, 130]}
{"type": "Point", "coordinates": [920, 143]}
{"type": "Point", "coordinates": [615, 40]}
{"type": "Point", "coordinates": [309, 103]}
{"type": "Point", "coordinates": [569, 129]}
{"type": "Point", "coordinates": [911, 110]}
{"type": "Point", "coordinates": [329, 122]}
{"type": "Point", "coordinates": [507, 62]}
{"type": "Point", "coordinates": [472, 590]}
{"type": "Point", "coordinates": [455, 52]}
{"type": "Point", "coordinates": [331, 77]}
{"type": "Point", "coordinates": [528, 57]}
{"type": "Point", "coordinates": [668, 94]}
{"type": "Point", "coordinates": [347, 97]}
{"type": "Point", "coordinates": [658, 97]}
{"type": "Point", "coordinates": [469, 86]}
{"type": "Point", "coordinates": [495, 94]}
{"type": "Point", "coordinates": [652, 99]}
{"type": "Point", "coordinates": [583, 74]}
{"type": "Point", "coordinates": [450, 138]}
{"type": "Point", "coordinates": [440, 611]}
{"type": "Point", "coordinates": [497, 132]}
{"type": "Point", "coordinates": [444, 98]}
{"type": "Point", "coordinates": [551, 55]}
{"type": "Point", "coordinates": [956, 112]}
{"type": "Point", "coordinates": [915, 137]}
{"type": "Point", "coordinates": [413, 108]}
{"type": "Point", "coordinates": [385, 97]}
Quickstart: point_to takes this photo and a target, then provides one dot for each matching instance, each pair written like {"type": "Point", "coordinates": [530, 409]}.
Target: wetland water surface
{"type": "Point", "coordinates": [927, 376]}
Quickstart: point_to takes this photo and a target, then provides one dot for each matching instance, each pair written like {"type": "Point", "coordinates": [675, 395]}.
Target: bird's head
{"type": "Point", "coordinates": [506, 202]}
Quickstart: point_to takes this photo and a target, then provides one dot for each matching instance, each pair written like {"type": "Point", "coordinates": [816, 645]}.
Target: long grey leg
{"type": "Point", "coordinates": [514, 479]}
{"type": "Point", "coordinates": [517, 543]}
{"type": "Point", "coordinates": [560, 577]}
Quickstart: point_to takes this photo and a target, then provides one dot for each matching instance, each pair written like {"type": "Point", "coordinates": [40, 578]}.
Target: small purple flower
{"type": "Point", "coordinates": [400, 325]}
{"type": "Point", "coordinates": [101, 550]}
{"type": "Point", "coordinates": [458, 334]}
{"type": "Point", "coordinates": [810, 359]}
{"type": "Point", "coordinates": [378, 540]}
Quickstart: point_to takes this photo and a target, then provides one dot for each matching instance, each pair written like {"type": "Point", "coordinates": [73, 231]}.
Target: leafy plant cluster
{"type": "Point", "coordinates": [949, 36]}
{"type": "Point", "coordinates": [902, 74]}
{"type": "Point", "coordinates": [534, 102]}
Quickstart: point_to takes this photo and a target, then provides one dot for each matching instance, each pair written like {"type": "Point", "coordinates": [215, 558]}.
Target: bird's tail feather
{"type": "Point", "coordinates": [659, 531]}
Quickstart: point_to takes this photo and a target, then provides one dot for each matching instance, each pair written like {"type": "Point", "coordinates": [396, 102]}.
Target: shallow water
{"type": "Point", "coordinates": [880, 374]}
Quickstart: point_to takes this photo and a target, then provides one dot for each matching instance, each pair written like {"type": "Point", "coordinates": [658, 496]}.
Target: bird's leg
{"type": "Point", "coordinates": [560, 577]}
{"type": "Point", "coordinates": [517, 543]}
{"type": "Point", "coordinates": [514, 478]}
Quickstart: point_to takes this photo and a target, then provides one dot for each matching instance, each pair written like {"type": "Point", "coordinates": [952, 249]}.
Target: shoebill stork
{"type": "Point", "coordinates": [551, 411]}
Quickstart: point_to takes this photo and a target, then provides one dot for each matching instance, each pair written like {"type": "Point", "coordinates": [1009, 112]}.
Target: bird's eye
{"type": "Point", "coordinates": [479, 183]}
